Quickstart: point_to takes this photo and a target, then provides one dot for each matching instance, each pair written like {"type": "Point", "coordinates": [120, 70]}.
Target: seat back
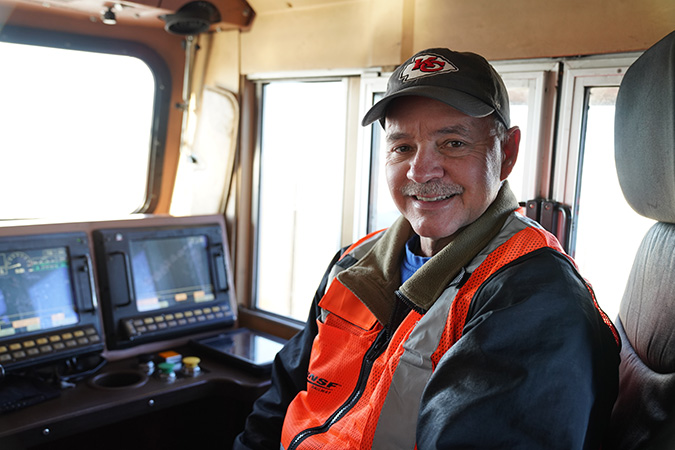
{"type": "Point", "coordinates": [644, 413]}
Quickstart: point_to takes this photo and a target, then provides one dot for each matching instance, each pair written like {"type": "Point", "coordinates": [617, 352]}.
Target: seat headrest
{"type": "Point", "coordinates": [644, 132]}
{"type": "Point", "coordinates": [648, 307]}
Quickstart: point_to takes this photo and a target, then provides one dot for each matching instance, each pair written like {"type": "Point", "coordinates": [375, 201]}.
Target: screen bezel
{"type": "Point", "coordinates": [83, 291]}
{"type": "Point", "coordinates": [116, 281]}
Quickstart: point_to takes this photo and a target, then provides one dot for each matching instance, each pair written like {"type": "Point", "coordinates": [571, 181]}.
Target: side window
{"type": "Point", "coordinates": [80, 129]}
{"type": "Point", "coordinates": [382, 211]}
{"type": "Point", "coordinates": [586, 178]}
{"type": "Point", "coordinates": [532, 92]}
{"type": "Point", "coordinates": [300, 199]}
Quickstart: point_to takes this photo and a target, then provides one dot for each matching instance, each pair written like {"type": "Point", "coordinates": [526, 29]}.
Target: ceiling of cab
{"type": "Point", "coordinates": [270, 6]}
{"type": "Point", "coordinates": [231, 14]}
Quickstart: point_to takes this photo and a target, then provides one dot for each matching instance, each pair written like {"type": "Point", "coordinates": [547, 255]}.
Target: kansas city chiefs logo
{"type": "Point", "coordinates": [426, 65]}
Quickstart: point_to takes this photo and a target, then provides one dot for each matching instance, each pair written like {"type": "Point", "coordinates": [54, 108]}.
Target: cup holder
{"type": "Point", "coordinates": [119, 380]}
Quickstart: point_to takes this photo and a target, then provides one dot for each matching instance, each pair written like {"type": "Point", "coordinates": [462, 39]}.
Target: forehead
{"type": "Point", "coordinates": [422, 112]}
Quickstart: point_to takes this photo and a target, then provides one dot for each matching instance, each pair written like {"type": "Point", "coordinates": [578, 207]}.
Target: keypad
{"type": "Point", "coordinates": [139, 326]}
{"type": "Point", "coordinates": [48, 344]}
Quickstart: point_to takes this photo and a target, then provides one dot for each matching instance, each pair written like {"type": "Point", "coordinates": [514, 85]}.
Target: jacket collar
{"type": "Point", "coordinates": [377, 275]}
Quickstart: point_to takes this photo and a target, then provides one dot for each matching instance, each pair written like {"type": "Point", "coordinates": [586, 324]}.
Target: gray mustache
{"type": "Point", "coordinates": [430, 189]}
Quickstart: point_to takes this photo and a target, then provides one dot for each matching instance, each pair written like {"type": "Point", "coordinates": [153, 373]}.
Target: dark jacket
{"type": "Point", "coordinates": [535, 366]}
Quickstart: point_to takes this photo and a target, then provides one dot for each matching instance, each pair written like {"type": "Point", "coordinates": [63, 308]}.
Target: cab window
{"type": "Point", "coordinates": [300, 209]}
{"type": "Point", "coordinates": [586, 179]}
{"type": "Point", "coordinates": [78, 135]}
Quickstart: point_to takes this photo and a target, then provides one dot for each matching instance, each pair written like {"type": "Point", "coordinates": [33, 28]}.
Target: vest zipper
{"type": "Point", "coordinates": [409, 303]}
{"type": "Point", "coordinates": [375, 350]}
{"type": "Point", "coordinates": [459, 281]}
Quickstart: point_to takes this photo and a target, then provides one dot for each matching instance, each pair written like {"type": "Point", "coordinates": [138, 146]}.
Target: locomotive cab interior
{"type": "Point", "coordinates": [202, 146]}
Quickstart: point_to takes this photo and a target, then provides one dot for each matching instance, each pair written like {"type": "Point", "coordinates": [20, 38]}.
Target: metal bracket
{"type": "Point", "coordinates": [554, 216]}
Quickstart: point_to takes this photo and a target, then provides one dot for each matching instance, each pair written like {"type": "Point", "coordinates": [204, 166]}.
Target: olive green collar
{"type": "Point", "coordinates": [376, 277]}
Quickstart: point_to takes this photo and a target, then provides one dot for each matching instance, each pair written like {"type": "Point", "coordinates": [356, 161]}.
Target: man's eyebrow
{"type": "Point", "coordinates": [454, 129]}
{"type": "Point", "coordinates": [396, 136]}
{"type": "Point", "coordinates": [451, 129]}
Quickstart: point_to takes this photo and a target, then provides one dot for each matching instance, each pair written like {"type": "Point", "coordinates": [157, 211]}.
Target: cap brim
{"type": "Point", "coordinates": [459, 100]}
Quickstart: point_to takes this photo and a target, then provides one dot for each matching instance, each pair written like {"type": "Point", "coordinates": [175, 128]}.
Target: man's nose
{"type": "Point", "coordinates": [425, 165]}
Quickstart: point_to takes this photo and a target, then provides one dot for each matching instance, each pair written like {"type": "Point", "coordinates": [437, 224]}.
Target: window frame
{"type": "Point", "coordinates": [579, 75]}
{"type": "Point", "coordinates": [370, 85]}
{"type": "Point", "coordinates": [259, 81]}
{"type": "Point", "coordinates": [543, 75]}
{"type": "Point", "coordinates": [162, 94]}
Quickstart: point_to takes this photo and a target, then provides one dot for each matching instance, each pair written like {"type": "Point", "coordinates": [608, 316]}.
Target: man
{"type": "Point", "coordinates": [464, 325]}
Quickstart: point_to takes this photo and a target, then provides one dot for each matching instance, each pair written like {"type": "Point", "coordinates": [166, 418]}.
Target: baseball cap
{"type": "Point", "coordinates": [463, 80]}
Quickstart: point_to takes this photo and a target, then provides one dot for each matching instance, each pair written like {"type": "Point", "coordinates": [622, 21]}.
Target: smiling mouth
{"type": "Point", "coordinates": [433, 199]}
{"type": "Point", "coordinates": [432, 191]}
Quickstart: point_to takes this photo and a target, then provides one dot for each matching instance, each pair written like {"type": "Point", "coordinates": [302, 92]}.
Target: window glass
{"type": "Point", "coordinates": [77, 130]}
{"type": "Point", "coordinates": [520, 98]}
{"type": "Point", "coordinates": [382, 211]}
{"type": "Point", "coordinates": [608, 231]}
{"type": "Point", "coordinates": [302, 159]}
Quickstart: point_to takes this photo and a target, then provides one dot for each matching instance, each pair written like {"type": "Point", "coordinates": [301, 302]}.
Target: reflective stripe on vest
{"type": "Point", "coordinates": [355, 402]}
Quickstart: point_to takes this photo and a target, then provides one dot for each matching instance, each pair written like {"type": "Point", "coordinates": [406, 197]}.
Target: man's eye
{"type": "Point", "coordinates": [401, 149]}
{"type": "Point", "coordinates": [454, 144]}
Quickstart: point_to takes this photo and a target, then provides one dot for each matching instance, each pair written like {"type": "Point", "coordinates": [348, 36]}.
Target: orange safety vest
{"type": "Point", "coordinates": [352, 364]}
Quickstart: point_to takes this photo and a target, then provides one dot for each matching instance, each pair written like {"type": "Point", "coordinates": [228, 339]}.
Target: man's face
{"type": "Point", "coordinates": [443, 167]}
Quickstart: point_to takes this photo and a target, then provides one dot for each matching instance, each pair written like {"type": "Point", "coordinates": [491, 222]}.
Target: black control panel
{"type": "Point", "coordinates": [161, 282]}
{"type": "Point", "coordinates": [48, 305]}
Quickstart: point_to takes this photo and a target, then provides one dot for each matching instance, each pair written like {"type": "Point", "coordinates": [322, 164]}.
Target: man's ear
{"type": "Point", "coordinates": [510, 148]}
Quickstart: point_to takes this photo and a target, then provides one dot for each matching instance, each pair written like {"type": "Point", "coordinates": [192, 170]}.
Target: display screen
{"type": "Point", "coordinates": [35, 291]}
{"type": "Point", "coordinates": [171, 272]}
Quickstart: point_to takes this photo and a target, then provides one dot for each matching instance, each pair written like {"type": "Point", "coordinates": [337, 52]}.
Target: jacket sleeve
{"type": "Point", "coordinates": [536, 367]}
{"type": "Point", "coordinates": [289, 376]}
